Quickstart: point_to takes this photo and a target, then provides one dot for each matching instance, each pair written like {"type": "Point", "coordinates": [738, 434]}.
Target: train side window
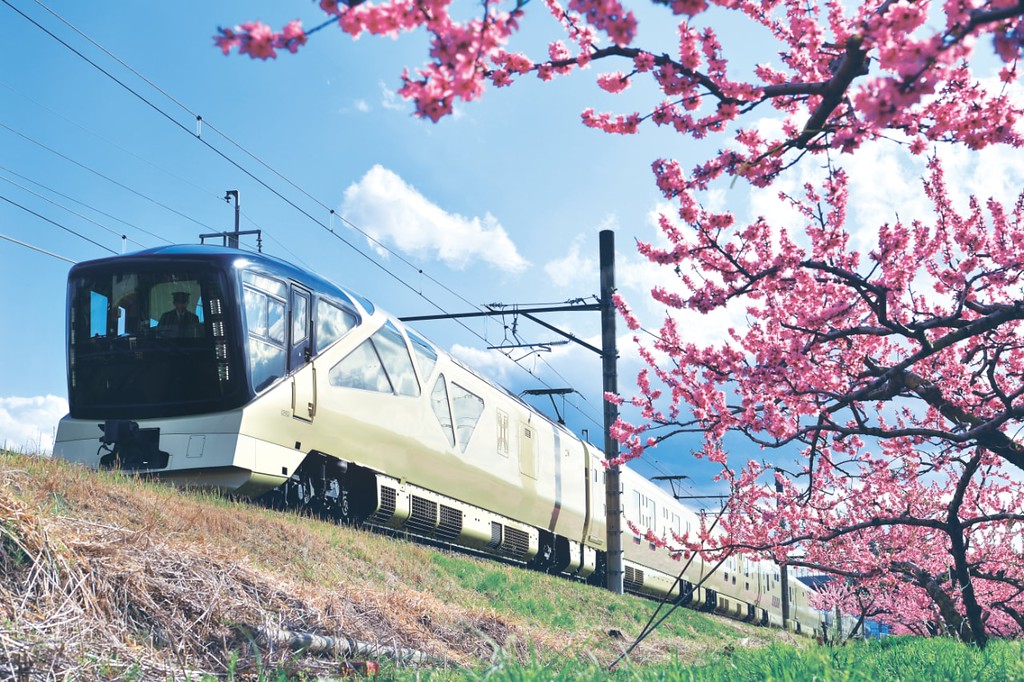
{"type": "Point", "coordinates": [300, 347]}
{"type": "Point", "coordinates": [300, 316]}
{"type": "Point", "coordinates": [439, 403]}
{"type": "Point", "coordinates": [426, 356]}
{"type": "Point", "coordinates": [332, 322]}
{"type": "Point", "coordinates": [394, 354]}
{"type": "Point", "coordinates": [466, 410]}
{"type": "Point", "coordinates": [265, 323]}
{"type": "Point", "coordinates": [361, 369]}
{"type": "Point", "coordinates": [648, 514]}
{"type": "Point", "coordinates": [275, 320]}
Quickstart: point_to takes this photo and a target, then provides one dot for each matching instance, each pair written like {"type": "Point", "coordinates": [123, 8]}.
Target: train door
{"type": "Point", "coordinates": [596, 526]}
{"type": "Point", "coordinates": [300, 351]}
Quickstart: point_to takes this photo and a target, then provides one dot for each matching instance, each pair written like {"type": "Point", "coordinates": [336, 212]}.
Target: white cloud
{"type": "Point", "coordinates": [29, 424]}
{"type": "Point", "coordinates": [490, 363]}
{"type": "Point", "coordinates": [574, 269]}
{"type": "Point", "coordinates": [395, 213]}
{"type": "Point", "coordinates": [579, 271]}
{"type": "Point", "coordinates": [361, 105]}
{"type": "Point", "coordinates": [389, 99]}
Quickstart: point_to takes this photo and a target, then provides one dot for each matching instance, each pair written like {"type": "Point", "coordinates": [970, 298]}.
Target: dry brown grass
{"type": "Point", "coordinates": [105, 576]}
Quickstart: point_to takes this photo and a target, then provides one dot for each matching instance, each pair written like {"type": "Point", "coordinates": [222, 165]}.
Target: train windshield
{"type": "Point", "coordinates": [149, 341]}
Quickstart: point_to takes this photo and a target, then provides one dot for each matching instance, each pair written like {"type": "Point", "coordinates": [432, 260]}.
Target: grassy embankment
{"type": "Point", "coordinates": [104, 576]}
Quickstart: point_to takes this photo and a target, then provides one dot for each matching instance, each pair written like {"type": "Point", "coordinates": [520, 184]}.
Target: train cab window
{"type": "Point", "coordinates": [426, 356]}
{"type": "Point", "coordinates": [332, 322]}
{"type": "Point", "coordinates": [148, 338]}
{"type": "Point", "coordinates": [439, 403]}
{"type": "Point", "coordinates": [466, 410]}
{"type": "Point", "coordinates": [265, 323]}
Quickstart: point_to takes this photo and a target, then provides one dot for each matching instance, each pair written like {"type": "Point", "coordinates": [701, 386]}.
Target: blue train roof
{"type": "Point", "coordinates": [227, 257]}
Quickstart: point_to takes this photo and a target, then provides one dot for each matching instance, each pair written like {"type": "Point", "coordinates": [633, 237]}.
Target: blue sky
{"type": "Point", "coordinates": [500, 203]}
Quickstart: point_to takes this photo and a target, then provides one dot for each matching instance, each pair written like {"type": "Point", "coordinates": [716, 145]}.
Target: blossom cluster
{"type": "Point", "coordinates": [259, 41]}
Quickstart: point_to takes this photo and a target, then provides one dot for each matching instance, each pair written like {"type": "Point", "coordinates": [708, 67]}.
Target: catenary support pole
{"type": "Point", "coordinates": [233, 237]}
{"type": "Point", "coordinates": [609, 361]}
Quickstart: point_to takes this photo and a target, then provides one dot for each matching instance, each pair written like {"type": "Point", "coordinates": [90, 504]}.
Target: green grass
{"type": "Point", "coordinates": [247, 564]}
{"type": "Point", "coordinates": [898, 659]}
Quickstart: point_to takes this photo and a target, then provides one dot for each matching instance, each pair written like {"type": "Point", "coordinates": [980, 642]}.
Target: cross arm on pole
{"type": "Point", "coordinates": [497, 313]}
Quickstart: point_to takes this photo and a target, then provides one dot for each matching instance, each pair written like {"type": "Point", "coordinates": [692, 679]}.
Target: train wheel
{"type": "Point", "coordinates": [327, 488]}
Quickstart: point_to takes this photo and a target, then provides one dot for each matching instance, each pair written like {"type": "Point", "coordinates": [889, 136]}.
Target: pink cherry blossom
{"type": "Point", "coordinates": [613, 82]}
{"type": "Point", "coordinates": [890, 375]}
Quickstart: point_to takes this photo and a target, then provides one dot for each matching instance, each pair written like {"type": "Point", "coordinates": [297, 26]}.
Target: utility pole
{"type": "Point", "coordinates": [783, 567]}
{"type": "Point", "coordinates": [609, 362]}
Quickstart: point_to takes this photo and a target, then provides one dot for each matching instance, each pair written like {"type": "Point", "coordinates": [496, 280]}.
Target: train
{"type": "Point", "coordinates": [210, 366]}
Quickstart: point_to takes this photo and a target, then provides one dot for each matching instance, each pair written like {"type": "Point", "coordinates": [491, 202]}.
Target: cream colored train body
{"type": "Point", "coordinates": [307, 394]}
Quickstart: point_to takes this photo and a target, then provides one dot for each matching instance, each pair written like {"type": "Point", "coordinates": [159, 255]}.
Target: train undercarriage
{"type": "Point", "coordinates": [349, 494]}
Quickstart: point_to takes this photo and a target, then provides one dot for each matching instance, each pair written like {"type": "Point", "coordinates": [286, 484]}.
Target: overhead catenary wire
{"type": "Point", "coordinates": [36, 248]}
{"type": "Point", "coordinates": [212, 148]}
{"type": "Point", "coordinates": [82, 203]}
{"type": "Point", "coordinates": [55, 223]}
{"type": "Point", "coordinates": [74, 213]}
{"type": "Point", "coordinates": [105, 177]}
{"type": "Point", "coordinates": [115, 145]}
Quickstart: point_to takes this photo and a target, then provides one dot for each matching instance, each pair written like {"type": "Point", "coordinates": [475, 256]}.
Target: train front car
{"type": "Point", "coordinates": [166, 348]}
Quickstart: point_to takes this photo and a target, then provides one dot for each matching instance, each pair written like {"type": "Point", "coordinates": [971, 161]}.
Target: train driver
{"type": "Point", "coordinates": [180, 321]}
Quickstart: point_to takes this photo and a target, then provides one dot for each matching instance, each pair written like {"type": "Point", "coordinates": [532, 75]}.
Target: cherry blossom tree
{"type": "Point", "coordinates": [892, 375]}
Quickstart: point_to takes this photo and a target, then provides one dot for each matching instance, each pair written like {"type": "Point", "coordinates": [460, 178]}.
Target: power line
{"type": "Point", "coordinates": [113, 144]}
{"type": "Point", "coordinates": [74, 213]}
{"type": "Point", "coordinates": [105, 177]}
{"type": "Point", "coordinates": [53, 222]}
{"type": "Point", "coordinates": [36, 248]}
{"type": "Point", "coordinates": [243, 149]}
{"type": "Point", "coordinates": [82, 203]}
